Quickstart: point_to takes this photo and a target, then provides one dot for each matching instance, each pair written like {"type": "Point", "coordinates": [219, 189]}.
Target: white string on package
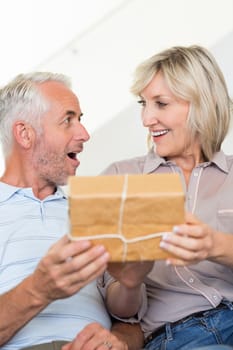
{"type": "Point", "coordinates": [119, 234]}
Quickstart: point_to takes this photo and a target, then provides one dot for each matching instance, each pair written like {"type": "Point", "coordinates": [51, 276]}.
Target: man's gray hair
{"type": "Point", "coordinates": [21, 99]}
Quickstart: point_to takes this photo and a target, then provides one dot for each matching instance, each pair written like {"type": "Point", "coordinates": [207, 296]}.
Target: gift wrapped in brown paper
{"type": "Point", "coordinates": [126, 213]}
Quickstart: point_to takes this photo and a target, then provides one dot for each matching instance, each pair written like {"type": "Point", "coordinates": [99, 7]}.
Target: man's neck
{"type": "Point", "coordinates": [40, 190]}
{"type": "Point", "coordinates": [20, 173]}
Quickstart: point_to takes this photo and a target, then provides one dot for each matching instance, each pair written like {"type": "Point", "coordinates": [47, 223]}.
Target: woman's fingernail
{"type": "Point", "coordinates": [162, 244]}
{"type": "Point", "coordinates": [175, 229]}
{"type": "Point", "coordinates": [166, 236]}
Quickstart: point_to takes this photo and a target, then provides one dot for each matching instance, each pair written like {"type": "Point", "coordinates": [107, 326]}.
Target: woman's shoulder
{"type": "Point", "coordinates": [229, 159]}
{"type": "Point", "coordinates": [126, 166]}
{"type": "Point", "coordinates": [223, 161]}
{"type": "Point", "coordinates": [229, 162]}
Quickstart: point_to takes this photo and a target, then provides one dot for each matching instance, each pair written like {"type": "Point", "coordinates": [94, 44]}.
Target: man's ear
{"type": "Point", "coordinates": [23, 133]}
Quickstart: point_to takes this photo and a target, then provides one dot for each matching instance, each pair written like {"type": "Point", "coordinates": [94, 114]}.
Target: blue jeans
{"type": "Point", "coordinates": [215, 347]}
{"type": "Point", "coordinates": [214, 327]}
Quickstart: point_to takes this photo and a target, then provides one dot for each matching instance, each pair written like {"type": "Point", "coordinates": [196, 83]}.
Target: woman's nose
{"type": "Point", "coordinates": [149, 117]}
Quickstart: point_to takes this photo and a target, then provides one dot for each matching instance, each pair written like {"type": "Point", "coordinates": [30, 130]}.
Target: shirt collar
{"type": "Point", "coordinates": [220, 159]}
{"type": "Point", "coordinates": [7, 191]}
{"type": "Point", "coordinates": [153, 161]}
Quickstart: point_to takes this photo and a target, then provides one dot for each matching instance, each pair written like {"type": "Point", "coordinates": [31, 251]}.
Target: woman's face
{"type": "Point", "coordinates": [165, 116]}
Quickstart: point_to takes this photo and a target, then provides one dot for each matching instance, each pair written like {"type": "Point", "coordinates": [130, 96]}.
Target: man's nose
{"type": "Point", "coordinates": [82, 133]}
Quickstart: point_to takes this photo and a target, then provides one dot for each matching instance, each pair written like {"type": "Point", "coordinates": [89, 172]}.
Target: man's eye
{"type": "Point", "coordinates": [67, 120]}
{"type": "Point", "coordinates": [142, 102]}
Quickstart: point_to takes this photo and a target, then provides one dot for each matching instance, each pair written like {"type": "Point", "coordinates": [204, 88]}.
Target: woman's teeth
{"type": "Point", "coordinates": [159, 133]}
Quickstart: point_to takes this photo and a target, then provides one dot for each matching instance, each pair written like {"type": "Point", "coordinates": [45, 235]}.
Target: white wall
{"type": "Point", "coordinates": [102, 58]}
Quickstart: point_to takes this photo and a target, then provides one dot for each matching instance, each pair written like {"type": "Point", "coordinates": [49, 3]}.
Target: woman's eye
{"type": "Point", "coordinates": [142, 102]}
{"type": "Point", "coordinates": [161, 104]}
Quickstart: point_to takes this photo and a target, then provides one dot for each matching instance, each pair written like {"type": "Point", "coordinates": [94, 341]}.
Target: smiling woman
{"type": "Point", "coordinates": [186, 109]}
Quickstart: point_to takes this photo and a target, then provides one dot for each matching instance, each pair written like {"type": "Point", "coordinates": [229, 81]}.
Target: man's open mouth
{"type": "Point", "coordinates": [72, 155]}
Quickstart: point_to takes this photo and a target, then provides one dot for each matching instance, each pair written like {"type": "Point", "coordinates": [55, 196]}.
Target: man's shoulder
{"type": "Point", "coordinates": [6, 191]}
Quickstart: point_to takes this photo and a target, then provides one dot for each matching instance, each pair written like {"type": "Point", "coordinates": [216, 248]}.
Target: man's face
{"type": "Point", "coordinates": [56, 148]}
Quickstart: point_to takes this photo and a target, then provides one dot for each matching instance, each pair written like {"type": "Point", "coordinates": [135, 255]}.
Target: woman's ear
{"type": "Point", "coordinates": [23, 133]}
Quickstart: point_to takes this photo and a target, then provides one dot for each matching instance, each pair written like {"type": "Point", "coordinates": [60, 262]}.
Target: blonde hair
{"type": "Point", "coordinates": [193, 74]}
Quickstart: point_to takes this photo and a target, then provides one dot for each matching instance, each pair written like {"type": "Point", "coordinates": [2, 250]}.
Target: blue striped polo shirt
{"type": "Point", "coordinates": [28, 227]}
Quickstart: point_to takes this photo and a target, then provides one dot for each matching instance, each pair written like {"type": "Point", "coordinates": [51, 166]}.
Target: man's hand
{"type": "Point", "coordinates": [67, 267]}
{"type": "Point", "coordinates": [96, 337]}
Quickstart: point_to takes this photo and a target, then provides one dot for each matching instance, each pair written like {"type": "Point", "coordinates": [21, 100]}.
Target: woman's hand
{"type": "Point", "coordinates": [191, 242]}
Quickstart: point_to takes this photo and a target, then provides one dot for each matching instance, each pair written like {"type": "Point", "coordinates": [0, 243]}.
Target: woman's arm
{"type": "Point", "coordinates": [124, 296]}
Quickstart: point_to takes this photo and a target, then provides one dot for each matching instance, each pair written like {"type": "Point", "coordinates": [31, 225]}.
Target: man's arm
{"type": "Point", "coordinates": [18, 306]}
{"type": "Point", "coordinates": [66, 268]}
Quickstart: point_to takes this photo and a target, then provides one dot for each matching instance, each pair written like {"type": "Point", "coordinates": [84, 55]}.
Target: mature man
{"type": "Point", "coordinates": [47, 283]}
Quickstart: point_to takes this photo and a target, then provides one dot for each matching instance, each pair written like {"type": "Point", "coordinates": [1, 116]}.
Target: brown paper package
{"type": "Point", "coordinates": [126, 213]}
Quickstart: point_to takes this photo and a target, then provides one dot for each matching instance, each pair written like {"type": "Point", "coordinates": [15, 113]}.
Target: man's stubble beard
{"type": "Point", "coordinates": [50, 166]}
